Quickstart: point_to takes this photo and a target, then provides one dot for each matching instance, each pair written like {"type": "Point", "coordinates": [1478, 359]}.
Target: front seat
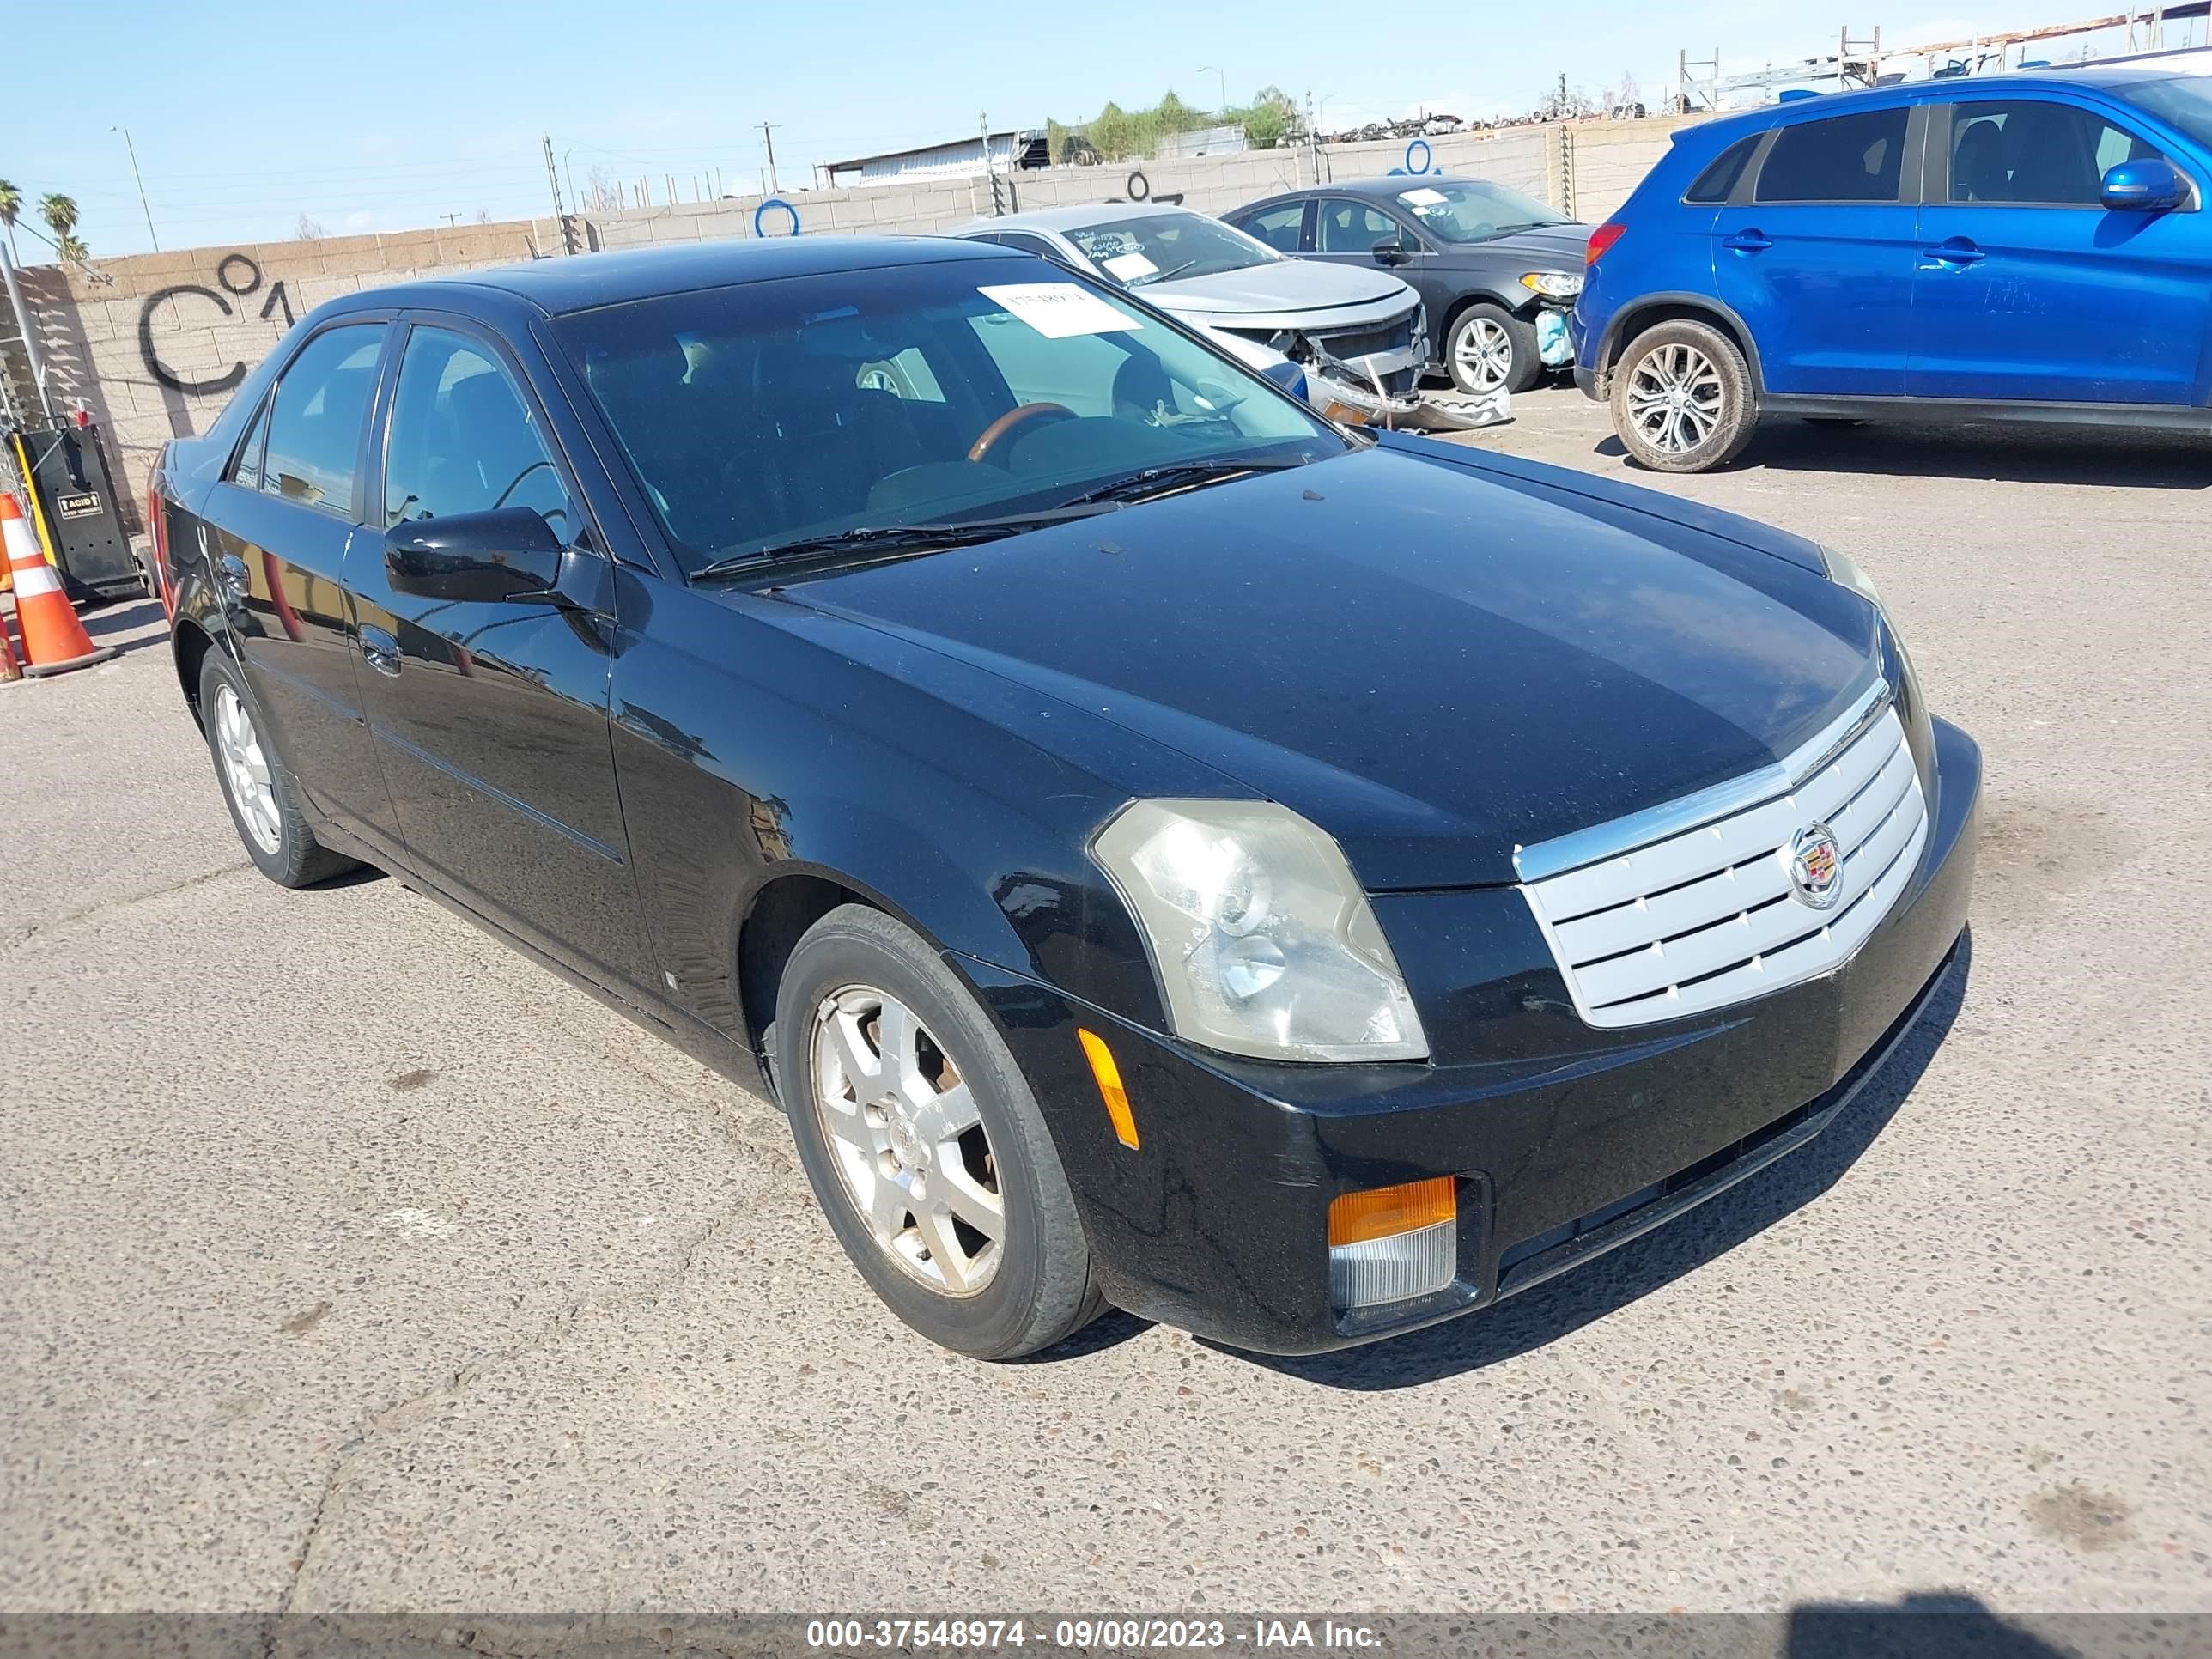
{"type": "Point", "coordinates": [1978, 168]}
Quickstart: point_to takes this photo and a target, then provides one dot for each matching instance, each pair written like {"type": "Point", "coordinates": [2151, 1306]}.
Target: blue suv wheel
{"type": "Point", "coordinates": [1682, 399]}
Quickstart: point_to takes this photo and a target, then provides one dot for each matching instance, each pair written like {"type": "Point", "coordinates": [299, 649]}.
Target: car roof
{"type": "Point", "coordinates": [1071, 218]}
{"type": "Point", "coordinates": [582, 283]}
{"type": "Point", "coordinates": [2116, 78]}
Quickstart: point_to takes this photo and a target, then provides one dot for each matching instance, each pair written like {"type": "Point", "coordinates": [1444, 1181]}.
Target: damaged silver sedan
{"type": "Point", "coordinates": [1352, 343]}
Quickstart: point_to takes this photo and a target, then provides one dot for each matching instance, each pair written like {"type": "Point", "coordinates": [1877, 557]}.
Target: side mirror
{"type": "Point", "coordinates": [1390, 251]}
{"type": "Point", "coordinates": [2150, 184]}
{"type": "Point", "coordinates": [509, 553]}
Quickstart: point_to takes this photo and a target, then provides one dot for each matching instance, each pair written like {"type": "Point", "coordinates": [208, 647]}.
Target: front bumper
{"type": "Point", "coordinates": [1566, 1148]}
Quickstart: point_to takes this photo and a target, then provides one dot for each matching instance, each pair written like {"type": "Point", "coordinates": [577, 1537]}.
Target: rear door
{"type": "Point", "coordinates": [1816, 251]}
{"type": "Point", "coordinates": [280, 524]}
{"type": "Point", "coordinates": [491, 717]}
{"type": "Point", "coordinates": [2028, 288]}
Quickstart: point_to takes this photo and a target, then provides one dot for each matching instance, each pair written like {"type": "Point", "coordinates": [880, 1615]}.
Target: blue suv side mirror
{"type": "Point", "coordinates": [2149, 184]}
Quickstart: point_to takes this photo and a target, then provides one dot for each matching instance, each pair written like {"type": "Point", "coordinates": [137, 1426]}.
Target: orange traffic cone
{"type": "Point", "coordinates": [54, 641]}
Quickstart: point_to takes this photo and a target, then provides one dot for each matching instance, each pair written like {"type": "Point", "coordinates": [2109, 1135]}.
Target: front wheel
{"type": "Point", "coordinates": [1491, 350]}
{"type": "Point", "coordinates": [924, 1145]}
{"type": "Point", "coordinates": [1681, 398]}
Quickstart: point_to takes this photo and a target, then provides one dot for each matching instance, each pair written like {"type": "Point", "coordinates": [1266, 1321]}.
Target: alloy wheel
{"type": "Point", "coordinates": [246, 769]}
{"type": "Point", "coordinates": [908, 1141]}
{"type": "Point", "coordinates": [1675, 398]}
{"type": "Point", "coordinates": [1484, 353]}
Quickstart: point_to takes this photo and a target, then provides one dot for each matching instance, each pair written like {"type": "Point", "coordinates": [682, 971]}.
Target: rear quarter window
{"type": "Point", "coordinates": [1719, 181]}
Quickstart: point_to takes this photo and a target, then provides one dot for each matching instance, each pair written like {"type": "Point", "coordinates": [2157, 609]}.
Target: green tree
{"type": "Point", "coordinates": [11, 207]}
{"type": "Point", "coordinates": [60, 214]}
{"type": "Point", "coordinates": [72, 248]}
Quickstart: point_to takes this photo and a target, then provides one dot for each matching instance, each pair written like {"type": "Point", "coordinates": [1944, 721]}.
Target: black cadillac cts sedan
{"type": "Point", "coordinates": [1159, 849]}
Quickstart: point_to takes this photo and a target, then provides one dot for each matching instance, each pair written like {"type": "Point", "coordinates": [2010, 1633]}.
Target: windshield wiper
{"type": "Point", "coordinates": [1152, 480]}
{"type": "Point", "coordinates": [898, 538]}
{"type": "Point", "coordinates": [1168, 275]}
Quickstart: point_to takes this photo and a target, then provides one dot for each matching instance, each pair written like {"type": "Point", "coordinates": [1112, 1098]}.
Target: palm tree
{"type": "Point", "coordinates": [72, 247]}
{"type": "Point", "coordinates": [11, 204]}
{"type": "Point", "coordinates": [60, 214]}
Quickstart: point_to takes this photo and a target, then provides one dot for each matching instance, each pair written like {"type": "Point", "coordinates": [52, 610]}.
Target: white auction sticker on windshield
{"type": "Point", "coordinates": [1058, 311]}
{"type": "Point", "coordinates": [1423, 198]}
{"type": "Point", "coordinates": [1128, 267]}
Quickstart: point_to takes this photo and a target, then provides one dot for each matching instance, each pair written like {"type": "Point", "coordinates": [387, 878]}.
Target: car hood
{"type": "Point", "coordinates": [1554, 247]}
{"type": "Point", "coordinates": [1435, 664]}
{"type": "Point", "coordinates": [1280, 286]}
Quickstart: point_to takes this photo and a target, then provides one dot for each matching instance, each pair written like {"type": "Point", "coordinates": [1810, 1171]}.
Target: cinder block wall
{"type": "Point", "coordinates": [152, 344]}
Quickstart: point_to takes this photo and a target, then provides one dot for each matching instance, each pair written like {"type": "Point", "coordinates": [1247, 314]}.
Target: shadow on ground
{"type": "Point", "coordinates": [2043, 455]}
{"type": "Point", "coordinates": [1562, 1305]}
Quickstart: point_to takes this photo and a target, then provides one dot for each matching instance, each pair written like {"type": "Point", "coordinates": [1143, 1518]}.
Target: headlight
{"type": "Point", "coordinates": [1264, 943]}
{"type": "Point", "coordinates": [1559, 284]}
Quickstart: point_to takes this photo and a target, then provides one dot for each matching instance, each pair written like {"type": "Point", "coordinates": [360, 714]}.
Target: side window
{"type": "Point", "coordinates": [1845, 158]}
{"type": "Point", "coordinates": [2029, 152]}
{"type": "Point", "coordinates": [247, 473]}
{"type": "Point", "coordinates": [1354, 227]}
{"type": "Point", "coordinates": [906, 376]}
{"type": "Point", "coordinates": [1278, 228]}
{"type": "Point", "coordinates": [1021, 241]}
{"type": "Point", "coordinates": [1078, 374]}
{"type": "Point", "coordinates": [1717, 182]}
{"type": "Point", "coordinates": [315, 419]}
{"type": "Point", "coordinates": [464, 440]}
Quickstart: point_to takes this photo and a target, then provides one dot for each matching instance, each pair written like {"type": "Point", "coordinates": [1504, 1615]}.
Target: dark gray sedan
{"type": "Point", "coordinates": [1487, 261]}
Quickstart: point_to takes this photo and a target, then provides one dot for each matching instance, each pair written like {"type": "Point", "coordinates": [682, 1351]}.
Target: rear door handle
{"type": "Point", "coordinates": [231, 572]}
{"type": "Point", "coordinates": [1957, 253]}
{"type": "Point", "coordinates": [382, 651]}
{"type": "Point", "coordinates": [1748, 241]}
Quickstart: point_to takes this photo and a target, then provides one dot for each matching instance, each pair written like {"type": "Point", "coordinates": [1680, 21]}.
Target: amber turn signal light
{"type": "Point", "coordinates": [1382, 1211]}
{"type": "Point", "coordinates": [1107, 1076]}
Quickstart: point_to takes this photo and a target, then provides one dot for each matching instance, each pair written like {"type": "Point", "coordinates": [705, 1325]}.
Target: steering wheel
{"type": "Point", "coordinates": [1014, 419]}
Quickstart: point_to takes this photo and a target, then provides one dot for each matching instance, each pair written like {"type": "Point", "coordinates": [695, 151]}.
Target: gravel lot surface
{"type": "Point", "coordinates": [348, 1261]}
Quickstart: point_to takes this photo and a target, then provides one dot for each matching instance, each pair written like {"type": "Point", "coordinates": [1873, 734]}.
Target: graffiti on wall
{"type": "Point", "coordinates": [237, 277]}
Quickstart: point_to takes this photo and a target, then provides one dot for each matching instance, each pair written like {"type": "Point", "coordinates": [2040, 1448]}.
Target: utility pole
{"type": "Point", "coordinates": [768, 137]}
{"type": "Point", "coordinates": [560, 213]}
{"type": "Point", "coordinates": [1209, 69]}
{"type": "Point", "coordinates": [140, 183]}
{"type": "Point", "coordinates": [27, 326]}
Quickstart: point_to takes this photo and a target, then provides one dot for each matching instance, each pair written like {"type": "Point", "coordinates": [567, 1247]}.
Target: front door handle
{"type": "Point", "coordinates": [382, 650]}
{"type": "Point", "coordinates": [1748, 241]}
{"type": "Point", "coordinates": [1956, 254]}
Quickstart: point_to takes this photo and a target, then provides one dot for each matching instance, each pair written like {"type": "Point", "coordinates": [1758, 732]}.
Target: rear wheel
{"type": "Point", "coordinates": [258, 786]}
{"type": "Point", "coordinates": [1491, 350]}
{"type": "Point", "coordinates": [924, 1143]}
{"type": "Point", "coordinates": [1681, 398]}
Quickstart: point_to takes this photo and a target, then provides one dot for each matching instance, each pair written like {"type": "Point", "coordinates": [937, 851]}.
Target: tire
{"type": "Point", "coordinates": [1709, 428]}
{"type": "Point", "coordinates": [268, 820]}
{"type": "Point", "coordinates": [876, 1172]}
{"type": "Point", "coordinates": [1489, 347]}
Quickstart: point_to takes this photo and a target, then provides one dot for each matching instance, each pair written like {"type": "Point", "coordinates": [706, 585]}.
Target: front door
{"type": "Point", "coordinates": [2028, 288]}
{"type": "Point", "coordinates": [281, 521]}
{"type": "Point", "coordinates": [492, 716]}
{"type": "Point", "coordinates": [1818, 262]}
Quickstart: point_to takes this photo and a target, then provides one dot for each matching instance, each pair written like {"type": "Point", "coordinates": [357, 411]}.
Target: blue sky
{"type": "Point", "coordinates": [248, 115]}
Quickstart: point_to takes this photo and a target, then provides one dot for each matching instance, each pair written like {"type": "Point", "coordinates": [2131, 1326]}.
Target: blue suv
{"type": "Point", "coordinates": [2023, 247]}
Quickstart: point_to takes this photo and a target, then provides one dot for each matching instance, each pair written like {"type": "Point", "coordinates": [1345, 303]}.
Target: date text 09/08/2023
{"type": "Point", "coordinates": [983, 1635]}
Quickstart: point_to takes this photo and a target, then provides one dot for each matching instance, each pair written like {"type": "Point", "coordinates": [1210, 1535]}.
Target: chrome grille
{"type": "Point", "coordinates": [1691, 906]}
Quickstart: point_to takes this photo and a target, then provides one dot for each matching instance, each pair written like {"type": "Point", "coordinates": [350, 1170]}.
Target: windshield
{"type": "Point", "coordinates": [770, 413]}
{"type": "Point", "coordinates": [2185, 102]}
{"type": "Point", "coordinates": [1157, 247]}
{"type": "Point", "coordinates": [1468, 210]}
